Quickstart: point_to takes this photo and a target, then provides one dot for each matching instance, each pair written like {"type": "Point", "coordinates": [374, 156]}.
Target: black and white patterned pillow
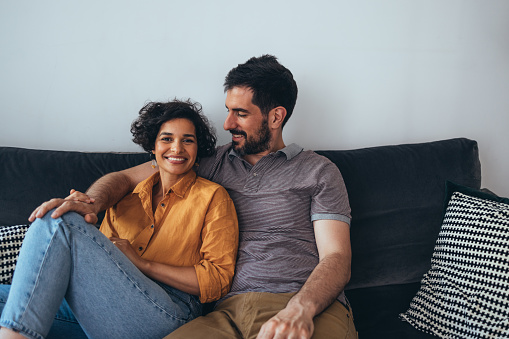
{"type": "Point", "coordinates": [11, 238]}
{"type": "Point", "coordinates": [465, 294]}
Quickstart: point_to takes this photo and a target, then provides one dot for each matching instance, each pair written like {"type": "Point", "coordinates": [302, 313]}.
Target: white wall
{"type": "Point", "coordinates": [73, 74]}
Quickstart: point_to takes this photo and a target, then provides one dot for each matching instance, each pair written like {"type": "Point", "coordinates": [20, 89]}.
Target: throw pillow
{"type": "Point", "coordinates": [11, 238]}
{"type": "Point", "coordinates": [465, 294]}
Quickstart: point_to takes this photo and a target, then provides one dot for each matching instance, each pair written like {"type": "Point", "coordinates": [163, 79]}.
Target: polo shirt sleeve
{"type": "Point", "coordinates": [220, 237]}
{"type": "Point", "coordinates": [330, 198]}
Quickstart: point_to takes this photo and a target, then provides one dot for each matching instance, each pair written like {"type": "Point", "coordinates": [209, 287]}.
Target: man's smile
{"type": "Point", "coordinates": [237, 135]}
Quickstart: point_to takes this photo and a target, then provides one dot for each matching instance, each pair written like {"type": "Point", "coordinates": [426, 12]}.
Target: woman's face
{"type": "Point", "coordinates": [176, 147]}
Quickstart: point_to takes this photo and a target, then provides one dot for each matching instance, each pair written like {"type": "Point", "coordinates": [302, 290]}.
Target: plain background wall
{"type": "Point", "coordinates": [73, 74]}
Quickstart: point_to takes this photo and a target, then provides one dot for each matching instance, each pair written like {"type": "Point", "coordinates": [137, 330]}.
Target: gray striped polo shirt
{"type": "Point", "coordinates": [277, 200]}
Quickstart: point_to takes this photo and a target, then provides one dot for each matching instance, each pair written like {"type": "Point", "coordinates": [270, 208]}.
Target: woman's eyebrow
{"type": "Point", "coordinates": [169, 133]}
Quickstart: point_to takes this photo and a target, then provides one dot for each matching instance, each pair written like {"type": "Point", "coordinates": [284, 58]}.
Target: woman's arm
{"type": "Point", "coordinates": [182, 278]}
{"type": "Point", "coordinates": [219, 249]}
{"type": "Point", "coordinates": [211, 277]}
{"type": "Point", "coordinates": [103, 193]}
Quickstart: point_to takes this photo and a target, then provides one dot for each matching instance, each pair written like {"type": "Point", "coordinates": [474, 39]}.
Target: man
{"type": "Point", "coordinates": [294, 247]}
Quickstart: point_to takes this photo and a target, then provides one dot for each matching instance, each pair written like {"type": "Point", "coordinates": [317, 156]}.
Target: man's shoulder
{"type": "Point", "coordinates": [313, 159]}
{"type": "Point", "coordinates": [205, 185]}
{"type": "Point", "coordinates": [316, 166]}
{"type": "Point", "coordinates": [210, 165]}
{"type": "Point", "coordinates": [220, 152]}
{"type": "Point", "coordinates": [224, 149]}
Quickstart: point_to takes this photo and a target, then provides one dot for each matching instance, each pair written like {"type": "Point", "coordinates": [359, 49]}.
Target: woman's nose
{"type": "Point", "coordinates": [176, 148]}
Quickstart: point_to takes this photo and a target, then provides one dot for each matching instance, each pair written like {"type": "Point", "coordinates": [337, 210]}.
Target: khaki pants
{"type": "Point", "coordinates": [243, 315]}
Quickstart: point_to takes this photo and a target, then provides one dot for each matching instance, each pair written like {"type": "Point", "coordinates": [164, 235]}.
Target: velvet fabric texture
{"type": "Point", "coordinates": [397, 196]}
{"type": "Point", "coordinates": [30, 177]}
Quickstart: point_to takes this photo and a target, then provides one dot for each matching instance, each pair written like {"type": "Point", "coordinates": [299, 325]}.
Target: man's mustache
{"type": "Point", "coordinates": [236, 131]}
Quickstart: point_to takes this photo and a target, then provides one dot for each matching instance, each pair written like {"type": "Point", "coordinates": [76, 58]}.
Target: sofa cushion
{"type": "Point", "coordinates": [11, 238]}
{"type": "Point", "coordinates": [29, 177]}
{"type": "Point", "coordinates": [466, 291]}
{"type": "Point", "coordinates": [396, 194]}
{"type": "Point", "coordinates": [376, 310]}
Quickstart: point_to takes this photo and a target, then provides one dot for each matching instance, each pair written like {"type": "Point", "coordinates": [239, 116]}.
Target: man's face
{"type": "Point", "coordinates": [245, 121]}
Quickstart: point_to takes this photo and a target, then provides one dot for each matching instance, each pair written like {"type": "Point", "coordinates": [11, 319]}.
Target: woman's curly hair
{"type": "Point", "coordinates": [154, 114]}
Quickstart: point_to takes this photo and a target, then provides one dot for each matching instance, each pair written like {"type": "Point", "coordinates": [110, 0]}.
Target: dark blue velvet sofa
{"type": "Point", "coordinates": [396, 193]}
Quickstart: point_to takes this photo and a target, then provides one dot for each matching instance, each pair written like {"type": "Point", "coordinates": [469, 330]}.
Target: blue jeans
{"type": "Point", "coordinates": [109, 297]}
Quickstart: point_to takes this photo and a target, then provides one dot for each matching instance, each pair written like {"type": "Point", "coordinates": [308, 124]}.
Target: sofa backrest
{"type": "Point", "coordinates": [397, 198]}
{"type": "Point", "coordinates": [30, 177]}
{"type": "Point", "coordinates": [396, 194]}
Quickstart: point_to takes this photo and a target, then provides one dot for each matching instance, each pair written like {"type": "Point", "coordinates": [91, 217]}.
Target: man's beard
{"type": "Point", "coordinates": [256, 144]}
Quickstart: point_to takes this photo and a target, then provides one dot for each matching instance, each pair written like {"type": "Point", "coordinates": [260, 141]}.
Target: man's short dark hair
{"type": "Point", "coordinates": [154, 114]}
{"type": "Point", "coordinates": [272, 83]}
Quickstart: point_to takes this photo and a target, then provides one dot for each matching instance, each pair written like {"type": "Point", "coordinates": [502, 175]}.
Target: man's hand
{"type": "Point", "coordinates": [76, 201]}
{"type": "Point", "coordinates": [79, 196]}
{"type": "Point", "coordinates": [322, 287]}
{"type": "Point", "coordinates": [293, 322]}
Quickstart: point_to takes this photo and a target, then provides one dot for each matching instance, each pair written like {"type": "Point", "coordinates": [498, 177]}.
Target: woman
{"type": "Point", "coordinates": [161, 250]}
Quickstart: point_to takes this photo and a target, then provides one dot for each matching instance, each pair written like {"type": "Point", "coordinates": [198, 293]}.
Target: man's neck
{"type": "Point", "coordinates": [254, 158]}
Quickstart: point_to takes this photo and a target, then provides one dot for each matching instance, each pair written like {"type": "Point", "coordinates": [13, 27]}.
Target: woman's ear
{"type": "Point", "coordinates": [277, 116]}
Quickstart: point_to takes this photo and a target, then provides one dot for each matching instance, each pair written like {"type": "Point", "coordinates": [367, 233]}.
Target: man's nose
{"type": "Point", "coordinates": [229, 122]}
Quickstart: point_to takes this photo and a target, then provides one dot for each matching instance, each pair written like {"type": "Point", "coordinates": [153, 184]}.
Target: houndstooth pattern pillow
{"type": "Point", "coordinates": [465, 294]}
{"type": "Point", "coordinates": [11, 238]}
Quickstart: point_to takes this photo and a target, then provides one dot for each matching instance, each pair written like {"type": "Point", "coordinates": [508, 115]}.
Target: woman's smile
{"type": "Point", "coordinates": [175, 149]}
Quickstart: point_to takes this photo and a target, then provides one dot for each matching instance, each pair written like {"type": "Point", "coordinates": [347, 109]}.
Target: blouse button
{"type": "Point", "coordinates": [162, 204]}
{"type": "Point", "coordinates": [151, 226]}
{"type": "Point", "coordinates": [140, 248]}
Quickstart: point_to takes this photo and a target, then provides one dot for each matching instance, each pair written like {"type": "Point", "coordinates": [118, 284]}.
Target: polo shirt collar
{"type": "Point", "coordinates": [289, 151]}
{"type": "Point", "coordinates": [144, 188]}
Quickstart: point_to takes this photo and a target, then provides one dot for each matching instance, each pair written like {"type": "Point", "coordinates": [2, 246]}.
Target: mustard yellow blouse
{"type": "Point", "coordinates": [194, 225]}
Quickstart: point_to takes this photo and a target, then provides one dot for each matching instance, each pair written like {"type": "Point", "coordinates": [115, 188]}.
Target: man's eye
{"type": "Point", "coordinates": [241, 115]}
{"type": "Point", "coordinates": [189, 141]}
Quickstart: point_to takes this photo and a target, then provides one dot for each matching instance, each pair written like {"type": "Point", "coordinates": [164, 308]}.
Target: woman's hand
{"type": "Point", "coordinates": [125, 246]}
{"type": "Point", "coordinates": [181, 277]}
{"type": "Point", "coordinates": [76, 201]}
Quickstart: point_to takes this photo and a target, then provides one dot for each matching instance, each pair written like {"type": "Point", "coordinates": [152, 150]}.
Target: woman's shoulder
{"type": "Point", "coordinates": [205, 184]}
{"type": "Point", "coordinates": [214, 194]}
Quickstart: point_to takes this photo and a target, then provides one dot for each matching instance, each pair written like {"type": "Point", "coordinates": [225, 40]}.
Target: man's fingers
{"type": "Point", "coordinates": [79, 196]}
{"type": "Point", "coordinates": [63, 206]}
{"type": "Point", "coordinates": [44, 208]}
{"type": "Point", "coordinates": [278, 328]}
{"type": "Point", "coordinates": [91, 218]}
{"type": "Point", "coordinates": [75, 206]}
{"type": "Point", "coordinates": [31, 218]}
{"type": "Point", "coordinates": [76, 202]}
{"type": "Point", "coordinates": [268, 329]}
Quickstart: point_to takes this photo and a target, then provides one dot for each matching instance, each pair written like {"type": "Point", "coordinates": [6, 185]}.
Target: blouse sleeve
{"type": "Point", "coordinates": [220, 236]}
{"type": "Point", "coordinates": [107, 226]}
